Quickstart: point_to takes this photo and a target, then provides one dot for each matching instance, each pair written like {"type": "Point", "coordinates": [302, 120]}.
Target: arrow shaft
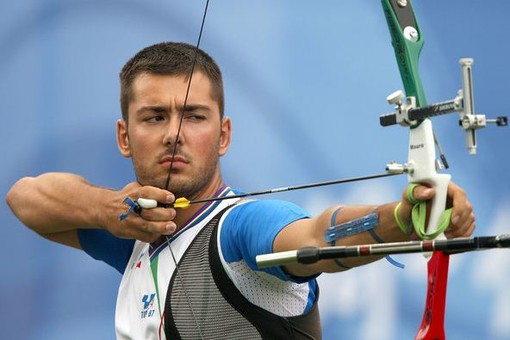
{"type": "Point", "coordinates": [296, 187]}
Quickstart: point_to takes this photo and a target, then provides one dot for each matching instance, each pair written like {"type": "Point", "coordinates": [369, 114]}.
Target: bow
{"type": "Point", "coordinates": [407, 42]}
{"type": "Point", "coordinates": [421, 167]}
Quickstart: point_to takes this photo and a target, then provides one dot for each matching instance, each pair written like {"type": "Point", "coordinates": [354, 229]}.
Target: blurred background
{"type": "Point", "coordinates": [305, 84]}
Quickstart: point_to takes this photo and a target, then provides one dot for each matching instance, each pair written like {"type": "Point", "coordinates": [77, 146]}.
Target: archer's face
{"type": "Point", "coordinates": [153, 122]}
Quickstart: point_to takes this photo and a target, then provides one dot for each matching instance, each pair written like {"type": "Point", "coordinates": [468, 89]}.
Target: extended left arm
{"type": "Point", "coordinates": [311, 232]}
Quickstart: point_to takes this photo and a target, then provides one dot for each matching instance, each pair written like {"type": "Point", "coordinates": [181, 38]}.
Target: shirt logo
{"type": "Point", "coordinates": [137, 263]}
{"type": "Point", "coordinates": [148, 306]}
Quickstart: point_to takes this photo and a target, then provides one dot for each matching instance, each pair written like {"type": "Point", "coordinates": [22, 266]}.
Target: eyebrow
{"type": "Point", "coordinates": [193, 107]}
{"type": "Point", "coordinates": [187, 108]}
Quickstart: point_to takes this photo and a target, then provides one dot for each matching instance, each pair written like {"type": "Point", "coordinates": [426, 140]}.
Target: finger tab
{"type": "Point", "coordinates": [147, 203]}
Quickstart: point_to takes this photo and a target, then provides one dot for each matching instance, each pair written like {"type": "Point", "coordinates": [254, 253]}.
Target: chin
{"type": "Point", "coordinates": [152, 181]}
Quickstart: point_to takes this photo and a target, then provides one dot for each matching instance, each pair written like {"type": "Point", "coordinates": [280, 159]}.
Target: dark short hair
{"type": "Point", "coordinates": [174, 59]}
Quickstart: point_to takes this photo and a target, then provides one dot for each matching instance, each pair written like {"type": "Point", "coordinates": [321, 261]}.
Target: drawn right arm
{"type": "Point", "coordinates": [56, 205]}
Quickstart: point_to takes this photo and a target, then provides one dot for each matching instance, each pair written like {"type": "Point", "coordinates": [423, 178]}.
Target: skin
{"type": "Point", "coordinates": [55, 205]}
{"type": "Point", "coordinates": [150, 134]}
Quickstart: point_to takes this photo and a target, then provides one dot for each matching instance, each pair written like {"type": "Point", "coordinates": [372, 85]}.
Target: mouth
{"type": "Point", "coordinates": [178, 162]}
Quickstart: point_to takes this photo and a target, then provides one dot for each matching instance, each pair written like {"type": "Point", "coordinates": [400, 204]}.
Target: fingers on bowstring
{"type": "Point", "coordinates": [159, 214]}
{"type": "Point", "coordinates": [160, 195]}
{"type": "Point", "coordinates": [149, 231]}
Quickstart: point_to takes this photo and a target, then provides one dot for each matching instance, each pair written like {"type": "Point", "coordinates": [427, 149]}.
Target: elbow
{"type": "Point", "coordinates": [16, 197]}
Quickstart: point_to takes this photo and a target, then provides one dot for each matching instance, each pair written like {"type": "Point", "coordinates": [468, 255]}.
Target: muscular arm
{"type": "Point", "coordinates": [56, 205]}
{"type": "Point", "coordinates": [310, 232]}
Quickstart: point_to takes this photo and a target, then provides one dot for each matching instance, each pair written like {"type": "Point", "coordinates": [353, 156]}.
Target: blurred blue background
{"type": "Point", "coordinates": [305, 84]}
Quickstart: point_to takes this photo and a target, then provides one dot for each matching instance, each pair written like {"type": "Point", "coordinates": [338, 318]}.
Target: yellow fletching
{"type": "Point", "coordinates": [181, 202]}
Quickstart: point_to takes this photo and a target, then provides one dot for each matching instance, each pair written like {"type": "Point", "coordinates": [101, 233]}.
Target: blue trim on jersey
{"type": "Point", "coordinates": [103, 246]}
{"type": "Point", "coordinates": [250, 229]}
{"type": "Point", "coordinates": [311, 294]}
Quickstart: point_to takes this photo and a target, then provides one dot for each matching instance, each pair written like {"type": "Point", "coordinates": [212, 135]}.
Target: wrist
{"type": "Point", "coordinates": [100, 209]}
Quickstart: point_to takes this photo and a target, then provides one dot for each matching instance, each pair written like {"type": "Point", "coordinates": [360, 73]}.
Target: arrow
{"type": "Point", "coordinates": [184, 203]}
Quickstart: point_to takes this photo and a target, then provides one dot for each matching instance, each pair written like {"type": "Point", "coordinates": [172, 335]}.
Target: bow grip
{"type": "Point", "coordinates": [422, 170]}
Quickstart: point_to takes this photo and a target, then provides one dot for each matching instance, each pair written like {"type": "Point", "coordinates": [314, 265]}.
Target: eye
{"type": "Point", "coordinates": [195, 117]}
{"type": "Point", "coordinates": [154, 118]}
{"type": "Point", "coordinates": [154, 115]}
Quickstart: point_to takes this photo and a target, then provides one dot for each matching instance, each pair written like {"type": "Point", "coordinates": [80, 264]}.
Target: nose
{"type": "Point", "coordinates": [173, 131]}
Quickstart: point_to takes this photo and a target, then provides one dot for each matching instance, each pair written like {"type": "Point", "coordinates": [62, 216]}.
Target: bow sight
{"type": "Point", "coordinates": [408, 114]}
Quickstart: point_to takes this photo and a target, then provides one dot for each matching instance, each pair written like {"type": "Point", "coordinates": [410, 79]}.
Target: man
{"type": "Point", "coordinates": [191, 273]}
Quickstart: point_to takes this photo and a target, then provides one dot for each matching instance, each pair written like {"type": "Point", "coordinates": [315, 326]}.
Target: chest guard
{"type": "Point", "coordinates": [203, 303]}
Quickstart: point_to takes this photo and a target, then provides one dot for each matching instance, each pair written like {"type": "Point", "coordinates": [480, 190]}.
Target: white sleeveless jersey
{"type": "Point", "coordinates": [143, 289]}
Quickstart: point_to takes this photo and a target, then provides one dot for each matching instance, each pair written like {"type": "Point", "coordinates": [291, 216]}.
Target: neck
{"type": "Point", "coordinates": [183, 216]}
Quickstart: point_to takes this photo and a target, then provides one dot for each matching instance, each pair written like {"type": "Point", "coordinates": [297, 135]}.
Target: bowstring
{"type": "Point", "coordinates": [174, 152]}
{"type": "Point", "coordinates": [176, 141]}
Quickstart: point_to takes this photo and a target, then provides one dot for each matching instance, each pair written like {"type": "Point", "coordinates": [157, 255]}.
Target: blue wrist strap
{"type": "Point", "coordinates": [366, 223]}
{"type": "Point", "coordinates": [359, 225]}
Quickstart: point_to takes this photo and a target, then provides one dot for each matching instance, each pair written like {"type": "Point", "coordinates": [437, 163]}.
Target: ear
{"type": "Point", "coordinates": [225, 136]}
{"type": "Point", "coordinates": [123, 138]}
